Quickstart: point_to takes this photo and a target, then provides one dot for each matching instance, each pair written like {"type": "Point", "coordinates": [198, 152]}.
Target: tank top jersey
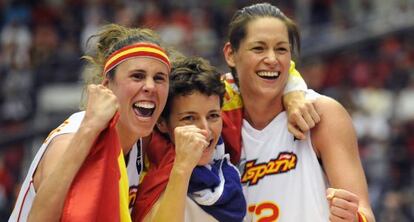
{"type": "Point", "coordinates": [281, 176]}
{"type": "Point", "coordinates": [71, 125]}
{"type": "Point", "coordinates": [194, 213]}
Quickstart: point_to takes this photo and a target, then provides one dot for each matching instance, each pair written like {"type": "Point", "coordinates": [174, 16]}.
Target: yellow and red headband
{"type": "Point", "coordinates": [136, 50]}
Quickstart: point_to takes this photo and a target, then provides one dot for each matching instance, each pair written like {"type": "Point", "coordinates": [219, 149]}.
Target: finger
{"type": "Point", "coordinates": [296, 132]}
{"type": "Point", "coordinates": [346, 205]}
{"type": "Point", "coordinates": [346, 195]}
{"type": "Point", "coordinates": [334, 218]}
{"type": "Point", "coordinates": [301, 123]}
{"type": "Point", "coordinates": [308, 119]}
{"type": "Point", "coordinates": [194, 136]}
{"type": "Point", "coordinates": [199, 144]}
{"type": "Point", "coordinates": [204, 132]}
{"type": "Point", "coordinates": [191, 128]}
{"type": "Point", "coordinates": [188, 129]}
{"type": "Point", "coordinates": [342, 213]}
{"type": "Point", "coordinates": [314, 114]}
{"type": "Point", "coordinates": [199, 136]}
{"type": "Point", "coordinates": [330, 193]}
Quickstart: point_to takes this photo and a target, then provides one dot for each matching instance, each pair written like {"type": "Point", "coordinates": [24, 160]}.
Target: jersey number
{"type": "Point", "coordinates": [265, 212]}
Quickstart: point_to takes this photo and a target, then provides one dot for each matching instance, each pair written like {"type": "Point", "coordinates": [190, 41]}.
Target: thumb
{"type": "Point", "coordinates": [330, 193]}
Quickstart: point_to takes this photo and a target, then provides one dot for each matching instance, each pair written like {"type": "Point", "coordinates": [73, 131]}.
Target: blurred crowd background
{"type": "Point", "coordinates": [360, 52]}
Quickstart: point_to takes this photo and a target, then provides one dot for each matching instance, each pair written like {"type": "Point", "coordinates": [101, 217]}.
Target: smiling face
{"type": "Point", "coordinates": [200, 110]}
{"type": "Point", "coordinates": [262, 60]}
{"type": "Point", "coordinates": [141, 86]}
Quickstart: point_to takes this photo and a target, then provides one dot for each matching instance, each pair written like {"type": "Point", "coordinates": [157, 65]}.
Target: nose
{"type": "Point", "coordinates": [149, 85]}
{"type": "Point", "coordinates": [204, 124]}
{"type": "Point", "coordinates": [271, 57]}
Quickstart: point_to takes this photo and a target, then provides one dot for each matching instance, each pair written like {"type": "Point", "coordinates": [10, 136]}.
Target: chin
{"type": "Point", "coordinates": [205, 159]}
{"type": "Point", "coordinates": [142, 132]}
{"type": "Point", "coordinates": [203, 163]}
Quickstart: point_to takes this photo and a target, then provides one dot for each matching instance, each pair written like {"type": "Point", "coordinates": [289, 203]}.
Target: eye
{"type": "Point", "coordinates": [214, 116]}
{"type": "Point", "coordinates": [160, 78]}
{"type": "Point", "coordinates": [257, 49]}
{"type": "Point", "coordinates": [188, 119]}
{"type": "Point", "coordinates": [282, 50]}
{"type": "Point", "coordinates": [138, 75]}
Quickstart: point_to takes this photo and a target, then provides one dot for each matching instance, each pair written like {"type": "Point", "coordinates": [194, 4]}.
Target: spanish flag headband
{"type": "Point", "coordinates": [136, 50]}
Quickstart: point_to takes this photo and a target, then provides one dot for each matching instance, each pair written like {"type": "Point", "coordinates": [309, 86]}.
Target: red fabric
{"type": "Point", "coordinates": [231, 133]}
{"type": "Point", "coordinates": [161, 156]}
{"type": "Point", "coordinates": [94, 193]}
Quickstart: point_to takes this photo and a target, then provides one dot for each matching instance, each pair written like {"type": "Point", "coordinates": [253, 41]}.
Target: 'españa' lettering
{"type": "Point", "coordinates": [253, 172]}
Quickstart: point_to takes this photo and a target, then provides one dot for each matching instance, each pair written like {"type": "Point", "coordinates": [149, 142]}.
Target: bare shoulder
{"type": "Point", "coordinates": [335, 126]}
{"type": "Point", "coordinates": [51, 157]}
{"type": "Point", "coordinates": [326, 104]}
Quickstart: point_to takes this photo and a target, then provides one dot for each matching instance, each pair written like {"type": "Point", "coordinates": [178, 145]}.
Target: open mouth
{"type": "Point", "coordinates": [144, 109]}
{"type": "Point", "coordinates": [268, 75]}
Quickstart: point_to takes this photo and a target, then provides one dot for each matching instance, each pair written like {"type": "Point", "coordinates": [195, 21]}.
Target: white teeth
{"type": "Point", "coordinates": [147, 105]}
{"type": "Point", "coordinates": [268, 74]}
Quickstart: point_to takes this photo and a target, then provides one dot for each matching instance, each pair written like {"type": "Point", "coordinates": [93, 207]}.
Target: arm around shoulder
{"type": "Point", "coordinates": [335, 142]}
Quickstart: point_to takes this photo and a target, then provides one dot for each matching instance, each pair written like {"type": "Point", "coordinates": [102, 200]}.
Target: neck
{"type": "Point", "coordinates": [126, 139]}
{"type": "Point", "coordinates": [260, 112]}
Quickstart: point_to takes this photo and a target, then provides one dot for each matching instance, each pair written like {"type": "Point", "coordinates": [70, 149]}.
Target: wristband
{"type": "Point", "coordinates": [361, 217]}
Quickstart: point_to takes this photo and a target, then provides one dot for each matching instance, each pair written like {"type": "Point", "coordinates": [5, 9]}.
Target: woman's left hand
{"type": "Point", "coordinates": [343, 205]}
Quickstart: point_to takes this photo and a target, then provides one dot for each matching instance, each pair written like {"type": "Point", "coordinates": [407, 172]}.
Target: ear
{"type": "Point", "coordinates": [162, 125]}
{"type": "Point", "coordinates": [229, 54]}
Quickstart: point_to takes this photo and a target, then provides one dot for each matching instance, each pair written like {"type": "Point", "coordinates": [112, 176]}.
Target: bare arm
{"type": "Point", "coordinates": [65, 155]}
{"type": "Point", "coordinates": [335, 142]}
{"type": "Point", "coordinates": [190, 142]}
{"type": "Point", "coordinates": [302, 115]}
{"type": "Point", "coordinates": [171, 204]}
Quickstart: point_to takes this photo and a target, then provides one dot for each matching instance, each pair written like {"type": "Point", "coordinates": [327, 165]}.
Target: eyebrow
{"type": "Point", "coordinates": [264, 43]}
{"type": "Point", "coordinates": [138, 70]}
{"type": "Point", "coordinates": [192, 112]}
{"type": "Point", "coordinates": [145, 71]}
{"type": "Point", "coordinates": [162, 73]}
{"type": "Point", "coordinates": [187, 112]}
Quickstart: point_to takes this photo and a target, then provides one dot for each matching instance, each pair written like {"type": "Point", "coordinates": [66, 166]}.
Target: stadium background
{"type": "Point", "coordinates": [360, 52]}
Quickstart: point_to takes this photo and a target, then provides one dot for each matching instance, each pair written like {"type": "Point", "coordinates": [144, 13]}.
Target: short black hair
{"type": "Point", "coordinates": [193, 74]}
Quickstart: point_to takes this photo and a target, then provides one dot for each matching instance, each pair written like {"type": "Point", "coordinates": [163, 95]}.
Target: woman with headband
{"type": "Point", "coordinates": [126, 93]}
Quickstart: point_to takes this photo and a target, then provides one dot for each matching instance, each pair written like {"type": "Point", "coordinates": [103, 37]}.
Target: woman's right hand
{"type": "Point", "coordinates": [302, 114]}
{"type": "Point", "coordinates": [100, 107]}
{"type": "Point", "coordinates": [190, 142]}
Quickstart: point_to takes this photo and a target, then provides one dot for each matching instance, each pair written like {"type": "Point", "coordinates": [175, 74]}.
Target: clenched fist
{"type": "Point", "coordinates": [190, 143]}
{"type": "Point", "coordinates": [343, 205]}
{"type": "Point", "coordinates": [101, 106]}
